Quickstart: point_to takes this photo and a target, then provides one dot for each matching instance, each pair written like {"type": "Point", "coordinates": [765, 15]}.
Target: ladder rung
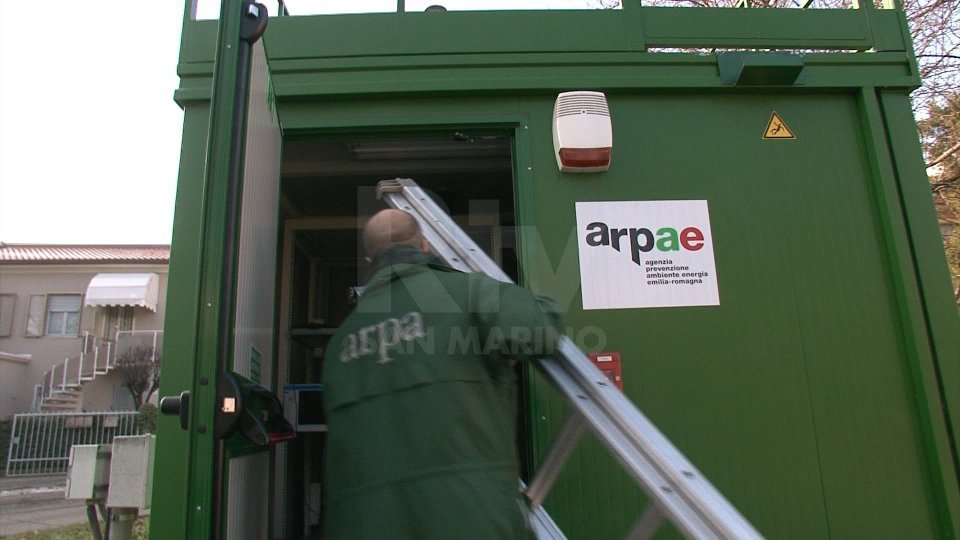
{"type": "Point", "coordinates": [556, 457]}
{"type": "Point", "coordinates": [648, 523]}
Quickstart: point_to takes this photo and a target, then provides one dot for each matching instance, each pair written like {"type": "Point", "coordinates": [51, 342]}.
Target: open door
{"type": "Point", "coordinates": [245, 503]}
{"type": "Point", "coordinates": [222, 307]}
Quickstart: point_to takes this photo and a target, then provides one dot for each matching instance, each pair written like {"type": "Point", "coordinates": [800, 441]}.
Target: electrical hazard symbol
{"type": "Point", "coordinates": [777, 128]}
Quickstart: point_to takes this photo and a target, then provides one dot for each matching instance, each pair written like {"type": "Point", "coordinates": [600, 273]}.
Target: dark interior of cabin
{"type": "Point", "coordinates": [328, 191]}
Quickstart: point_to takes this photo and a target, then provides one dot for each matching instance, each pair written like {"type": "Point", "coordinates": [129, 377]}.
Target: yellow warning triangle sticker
{"type": "Point", "coordinates": [777, 128]}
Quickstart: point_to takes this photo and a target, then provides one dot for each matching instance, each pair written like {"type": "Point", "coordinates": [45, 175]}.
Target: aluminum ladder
{"type": "Point", "coordinates": [677, 490]}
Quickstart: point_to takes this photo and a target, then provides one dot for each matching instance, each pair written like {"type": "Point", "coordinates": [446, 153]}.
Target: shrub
{"type": "Point", "coordinates": [147, 418]}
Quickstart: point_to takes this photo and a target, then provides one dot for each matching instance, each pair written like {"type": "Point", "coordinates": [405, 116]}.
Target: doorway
{"type": "Point", "coordinates": [328, 191]}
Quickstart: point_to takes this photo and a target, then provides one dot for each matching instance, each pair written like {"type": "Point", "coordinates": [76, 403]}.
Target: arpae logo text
{"type": "Point", "coordinates": [644, 240]}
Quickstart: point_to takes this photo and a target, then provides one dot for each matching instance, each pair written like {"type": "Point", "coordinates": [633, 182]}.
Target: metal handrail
{"type": "Point", "coordinates": [59, 378]}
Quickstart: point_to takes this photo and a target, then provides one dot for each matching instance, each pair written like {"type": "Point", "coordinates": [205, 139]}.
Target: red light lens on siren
{"type": "Point", "coordinates": [581, 158]}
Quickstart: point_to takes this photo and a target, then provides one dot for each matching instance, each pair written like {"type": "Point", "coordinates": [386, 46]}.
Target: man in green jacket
{"type": "Point", "coordinates": [420, 396]}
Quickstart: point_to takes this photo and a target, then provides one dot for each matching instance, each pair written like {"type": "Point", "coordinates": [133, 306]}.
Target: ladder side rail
{"type": "Point", "coordinates": [411, 197]}
{"type": "Point", "coordinates": [541, 523]}
{"type": "Point", "coordinates": [437, 244]}
{"type": "Point", "coordinates": [405, 194]}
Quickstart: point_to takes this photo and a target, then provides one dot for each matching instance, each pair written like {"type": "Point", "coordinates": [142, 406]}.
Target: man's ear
{"type": "Point", "coordinates": [424, 246]}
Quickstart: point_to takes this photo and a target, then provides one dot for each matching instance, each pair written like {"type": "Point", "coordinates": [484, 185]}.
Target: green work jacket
{"type": "Point", "coordinates": [420, 396]}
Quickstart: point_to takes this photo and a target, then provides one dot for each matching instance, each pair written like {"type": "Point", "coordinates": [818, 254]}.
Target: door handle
{"type": "Point", "coordinates": [177, 405]}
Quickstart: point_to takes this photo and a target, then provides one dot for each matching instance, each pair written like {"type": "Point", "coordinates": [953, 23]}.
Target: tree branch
{"type": "Point", "coordinates": [949, 221]}
{"type": "Point", "coordinates": [950, 56]}
{"type": "Point", "coordinates": [945, 183]}
{"type": "Point", "coordinates": [949, 152]}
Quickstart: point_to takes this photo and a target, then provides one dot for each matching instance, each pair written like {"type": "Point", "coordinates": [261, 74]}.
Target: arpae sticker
{"type": "Point", "coordinates": [644, 254]}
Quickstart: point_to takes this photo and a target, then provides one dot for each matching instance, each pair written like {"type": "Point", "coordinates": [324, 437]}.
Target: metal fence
{"type": "Point", "coordinates": [40, 442]}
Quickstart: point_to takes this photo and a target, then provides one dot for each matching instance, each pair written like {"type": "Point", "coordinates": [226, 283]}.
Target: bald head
{"type": "Point", "coordinates": [389, 228]}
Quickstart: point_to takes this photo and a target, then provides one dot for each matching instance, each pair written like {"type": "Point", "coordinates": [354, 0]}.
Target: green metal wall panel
{"type": "Point", "coordinates": [794, 395]}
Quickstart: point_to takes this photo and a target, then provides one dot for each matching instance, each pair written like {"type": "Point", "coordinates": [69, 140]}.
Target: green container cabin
{"type": "Point", "coordinates": [820, 394]}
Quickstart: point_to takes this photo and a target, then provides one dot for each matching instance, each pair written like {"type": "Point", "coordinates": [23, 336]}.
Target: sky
{"type": "Point", "coordinates": [89, 131]}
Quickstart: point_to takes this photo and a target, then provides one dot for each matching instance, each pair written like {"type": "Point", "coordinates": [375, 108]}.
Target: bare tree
{"type": "Point", "coordinates": [140, 369]}
{"type": "Point", "coordinates": [935, 27]}
{"type": "Point", "coordinates": [940, 133]}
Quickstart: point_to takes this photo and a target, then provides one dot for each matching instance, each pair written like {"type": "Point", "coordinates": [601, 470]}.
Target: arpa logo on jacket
{"type": "Point", "coordinates": [636, 254]}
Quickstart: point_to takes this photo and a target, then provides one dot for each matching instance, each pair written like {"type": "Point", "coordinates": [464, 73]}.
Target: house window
{"type": "Point", "coordinates": [63, 315]}
{"type": "Point", "coordinates": [35, 315]}
{"type": "Point", "coordinates": [6, 313]}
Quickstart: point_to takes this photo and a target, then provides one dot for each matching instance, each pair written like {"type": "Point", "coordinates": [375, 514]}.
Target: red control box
{"type": "Point", "coordinates": [609, 364]}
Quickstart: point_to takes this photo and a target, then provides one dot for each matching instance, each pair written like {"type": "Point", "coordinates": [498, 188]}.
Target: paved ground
{"type": "Point", "coordinates": [31, 503]}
